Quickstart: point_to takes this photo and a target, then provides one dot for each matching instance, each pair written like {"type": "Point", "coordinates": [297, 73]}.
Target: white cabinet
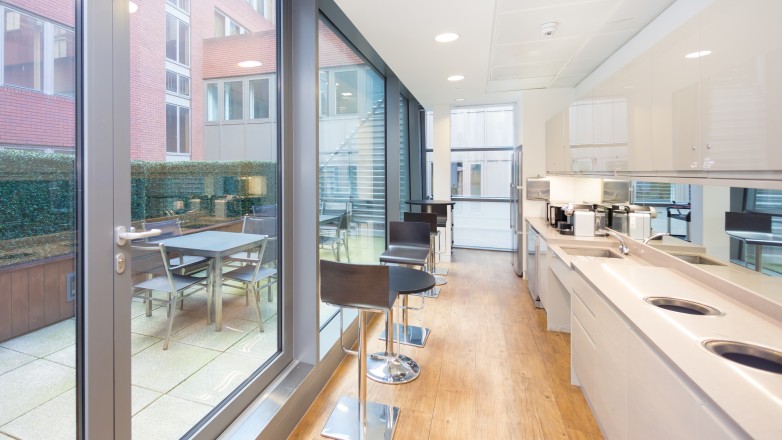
{"type": "Point", "coordinates": [632, 86]}
{"type": "Point", "coordinates": [634, 391]}
{"type": "Point", "coordinates": [581, 134]}
{"type": "Point", "coordinates": [558, 300]}
{"type": "Point", "coordinates": [739, 85]}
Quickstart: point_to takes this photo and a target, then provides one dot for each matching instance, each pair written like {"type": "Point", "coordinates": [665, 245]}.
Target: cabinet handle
{"type": "Point", "coordinates": [692, 148]}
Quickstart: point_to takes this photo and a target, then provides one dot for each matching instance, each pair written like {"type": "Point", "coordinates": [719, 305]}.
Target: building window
{"type": "Point", "coordinates": [226, 26]}
{"type": "Point", "coordinates": [176, 83]}
{"type": "Point", "coordinates": [259, 99]}
{"type": "Point", "coordinates": [211, 102]}
{"type": "Point", "coordinates": [183, 5]}
{"type": "Point", "coordinates": [64, 53]}
{"type": "Point", "coordinates": [23, 56]}
{"type": "Point", "coordinates": [233, 100]}
{"type": "Point", "coordinates": [177, 129]}
{"type": "Point", "coordinates": [346, 83]}
{"type": "Point", "coordinates": [324, 93]}
{"type": "Point", "coordinates": [177, 40]}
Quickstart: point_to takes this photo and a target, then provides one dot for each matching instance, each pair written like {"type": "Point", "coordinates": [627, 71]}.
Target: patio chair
{"type": "Point", "coordinates": [169, 229]}
{"type": "Point", "coordinates": [268, 255]}
{"type": "Point", "coordinates": [148, 262]}
{"type": "Point", "coordinates": [337, 237]}
{"type": "Point", "coordinates": [251, 275]}
{"type": "Point", "coordinates": [265, 210]}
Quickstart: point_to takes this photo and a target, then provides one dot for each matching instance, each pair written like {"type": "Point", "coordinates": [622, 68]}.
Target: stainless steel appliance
{"type": "Point", "coordinates": [534, 253]}
{"type": "Point", "coordinates": [555, 214]}
{"type": "Point", "coordinates": [517, 212]}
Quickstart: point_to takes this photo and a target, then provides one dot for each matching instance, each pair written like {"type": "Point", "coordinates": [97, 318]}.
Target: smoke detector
{"type": "Point", "coordinates": [549, 29]}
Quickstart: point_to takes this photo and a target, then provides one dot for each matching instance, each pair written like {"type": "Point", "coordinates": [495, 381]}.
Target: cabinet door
{"type": "Point", "coordinates": [633, 112]}
{"type": "Point", "coordinates": [610, 402]}
{"type": "Point", "coordinates": [659, 405]}
{"type": "Point", "coordinates": [675, 119]}
{"type": "Point", "coordinates": [582, 357]}
{"type": "Point", "coordinates": [555, 143]}
{"type": "Point", "coordinates": [740, 85]}
{"type": "Point", "coordinates": [714, 426]}
{"type": "Point", "coordinates": [581, 135]}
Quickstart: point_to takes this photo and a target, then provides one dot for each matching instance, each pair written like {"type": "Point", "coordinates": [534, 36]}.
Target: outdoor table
{"type": "Point", "coordinates": [215, 245]}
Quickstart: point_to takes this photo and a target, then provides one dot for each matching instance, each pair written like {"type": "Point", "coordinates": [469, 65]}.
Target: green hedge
{"type": "Point", "coordinates": [37, 191]}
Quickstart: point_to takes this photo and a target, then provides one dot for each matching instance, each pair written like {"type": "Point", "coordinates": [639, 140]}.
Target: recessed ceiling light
{"type": "Point", "coordinates": [250, 63]}
{"type": "Point", "coordinates": [446, 37]}
{"type": "Point", "coordinates": [132, 7]}
{"type": "Point", "coordinates": [698, 54]}
{"type": "Point", "coordinates": [455, 77]}
{"type": "Point", "coordinates": [459, 99]}
{"type": "Point", "coordinates": [346, 94]}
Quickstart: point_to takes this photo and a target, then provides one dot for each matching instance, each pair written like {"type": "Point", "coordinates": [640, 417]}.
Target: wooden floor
{"type": "Point", "coordinates": [489, 370]}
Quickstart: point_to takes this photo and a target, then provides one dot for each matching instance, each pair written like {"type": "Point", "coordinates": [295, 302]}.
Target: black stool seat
{"type": "Point", "coordinates": [405, 254]}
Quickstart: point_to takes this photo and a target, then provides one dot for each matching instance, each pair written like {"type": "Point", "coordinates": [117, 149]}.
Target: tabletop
{"type": "Point", "coordinates": [213, 243]}
{"type": "Point", "coordinates": [407, 280]}
{"type": "Point", "coordinates": [758, 238]}
{"type": "Point", "coordinates": [326, 218]}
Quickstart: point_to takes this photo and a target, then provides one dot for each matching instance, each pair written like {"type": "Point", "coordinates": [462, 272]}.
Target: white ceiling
{"type": "Point", "coordinates": [501, 50]}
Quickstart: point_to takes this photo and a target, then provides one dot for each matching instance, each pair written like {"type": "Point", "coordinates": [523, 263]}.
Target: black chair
{"type": "Point", "coordinates": [431, 219]}
{"type": "Point", "coordinates": [366, 288]}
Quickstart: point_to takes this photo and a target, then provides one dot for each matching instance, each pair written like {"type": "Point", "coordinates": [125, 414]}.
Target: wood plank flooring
{"type": "Point", "coordinates": [489, 370]}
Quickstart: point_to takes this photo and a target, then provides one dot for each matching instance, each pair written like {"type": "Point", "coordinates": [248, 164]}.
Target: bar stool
{"type": "Point", "coordinates": [408, 244]}
{"type": "Point", "coordinates": [442, 222]}
{"type": "Point", "coordinates": [431, 218]}
{"type": "Point", "coordinates": [363, 287]}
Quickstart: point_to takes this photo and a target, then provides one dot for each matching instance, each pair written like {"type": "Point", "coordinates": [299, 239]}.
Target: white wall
{"type": "Point", "coordinates": [709, 204]}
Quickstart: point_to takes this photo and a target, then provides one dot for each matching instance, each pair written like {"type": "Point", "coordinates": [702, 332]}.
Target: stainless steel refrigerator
{"type": "Point", "coordinates": [516, 212]}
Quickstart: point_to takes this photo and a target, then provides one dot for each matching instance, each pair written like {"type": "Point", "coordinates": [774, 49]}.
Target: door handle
{"type": "Point", "coordinates": [121, 234]}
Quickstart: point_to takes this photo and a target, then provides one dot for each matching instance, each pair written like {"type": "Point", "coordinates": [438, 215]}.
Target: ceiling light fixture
{"type": "Point", "coordinates": [250, 63]}
{"type": "Point", "coordinates": [698, 54]}
{"type": "Point", "coordinates": [549, 29]}
{"type": "Point", "coordinates": [455, 77]}
{"type": "Point", "coordinates": [446, 37]}
{"type": "Point", "coordinates": [346, 94]}
{"type": "Point", "coordinates": [459, 99]}
{"type": "Point", "coordinates": [132, 7]}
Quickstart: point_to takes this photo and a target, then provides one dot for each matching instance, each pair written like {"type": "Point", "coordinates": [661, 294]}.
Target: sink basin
{"type": "Point", "coordinates": [698, 259]}
{"type": "Point", "coordinates": [591, 252]}
{"type": "Point", "coordinates": [682, 306]}
{"type": "Point", "coordinates": [750, 355]}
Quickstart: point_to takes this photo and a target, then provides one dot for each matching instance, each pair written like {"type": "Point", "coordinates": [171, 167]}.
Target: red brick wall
{"type": "Point", "coordinates": [34, 118]}
{"type": "Point", "coordinates": [60, 11]}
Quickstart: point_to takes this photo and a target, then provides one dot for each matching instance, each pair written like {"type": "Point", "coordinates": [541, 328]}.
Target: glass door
{"type": "Point", "coordinates": [204, 306]}
{"type": "Point", "coordinates": [39, 233]}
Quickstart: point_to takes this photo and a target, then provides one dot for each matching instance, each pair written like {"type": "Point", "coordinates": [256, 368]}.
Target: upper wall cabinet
{"type": "Point", "coordinates": [675, 83]}
{"type": "Point", "coordinates": [740, 90]}
{"type": "Point", "coordinates": [632, 87]}
{"type": "Point", "coordinates": [557, 144]}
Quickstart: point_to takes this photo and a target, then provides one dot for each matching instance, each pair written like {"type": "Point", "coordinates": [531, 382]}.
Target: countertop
{"type": "Point", "coordinates": [753, 398]}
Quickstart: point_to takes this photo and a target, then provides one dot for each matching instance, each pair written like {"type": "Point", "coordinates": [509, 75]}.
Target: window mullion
{"type": "Point", "coordinates": [2, 44]}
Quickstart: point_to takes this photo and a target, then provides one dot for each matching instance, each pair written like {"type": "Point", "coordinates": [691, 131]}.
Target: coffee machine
{"type": "Point", "coordinates": [555, 214]}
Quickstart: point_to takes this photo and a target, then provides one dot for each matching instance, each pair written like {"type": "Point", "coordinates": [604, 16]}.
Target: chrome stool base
{"type": "Point", "coordinates": [441, 271]}
{"type": "Point", "coordinates": [439, 281]}
{"type": "Point", "coordinates": [343, 424]}
{"type": "Point", "coordinates": [391, 369]}
{"type": "Point", "coordinates": [412, 335]}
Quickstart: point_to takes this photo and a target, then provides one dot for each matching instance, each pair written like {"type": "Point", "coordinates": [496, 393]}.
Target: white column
{"type": "Point", "coordinates": [441, 176]}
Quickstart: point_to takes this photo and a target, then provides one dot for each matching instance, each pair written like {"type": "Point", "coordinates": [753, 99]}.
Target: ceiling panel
{"type": "Point", "coordinates": [574, 20]}
{"type": "Point", "coordinates": [519, 84]}
{"type": "Point", "coordinates": [523, 5]}
{"type": "Point", "coordinates": [537, 51]}
{"type": "Point", "coordinates": [528, 70]}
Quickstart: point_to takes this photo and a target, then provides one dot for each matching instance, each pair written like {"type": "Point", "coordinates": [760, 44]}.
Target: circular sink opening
{"type": "Point", "coordinates": [754, 356]}
{"type": "Point", "coordinates": [682, 306]}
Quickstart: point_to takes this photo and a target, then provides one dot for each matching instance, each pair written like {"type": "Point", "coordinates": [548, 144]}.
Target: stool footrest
{"type": "Point", "coordinates": [412, 335]}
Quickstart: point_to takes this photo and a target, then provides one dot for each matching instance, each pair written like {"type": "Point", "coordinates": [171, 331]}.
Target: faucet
{"type": "Point", "coordinates": [622, 247]}
{"type": "Point", "coordinates": [657, 235]}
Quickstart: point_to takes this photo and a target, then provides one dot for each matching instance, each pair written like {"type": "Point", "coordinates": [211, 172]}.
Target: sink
{"type": "Point", "coordinates": [697, 259]}
{"type": "Point", "coordinates": [591, 252]}
{"type": "Point", "coordinates": [750, 355]}
{"type": "Point", "coordinates": [682, 306]}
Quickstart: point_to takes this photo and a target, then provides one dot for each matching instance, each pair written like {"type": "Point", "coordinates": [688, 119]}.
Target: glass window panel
{"type": "Point", "coordinates": [475, 179]}
{"type": "Point", "coordinates": [233, 100]}
{"type": "Point", "coordinates": [64, 49]}
{"type": "Point", "coordinates": [184, 44]}
{"type": "Point", "coordinates": [259, 96]}
{"type": "Point", "coordinates": [204, 171]}
{"type": "Point", "coordinates": [219, 25]}
{"type": "Point", "coordinates": [23, 50]}
{"type": "Point", "coordinates": [171, 81]}
{"type": "Point", "coordinates": [352, 161]}
{"type": "Point", "coordinates": [404, 157]}
{"type": "Point", "coordinates": [323, 77]}
{"type": "Point", "coordinates": [171, 128]}
{"type": "Point", "coordinates": [346, 92]}
{"type": "Point", "coordinates": [211, 102]}
{"type": "Point", "coordinates": [234, 28]}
